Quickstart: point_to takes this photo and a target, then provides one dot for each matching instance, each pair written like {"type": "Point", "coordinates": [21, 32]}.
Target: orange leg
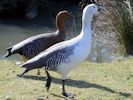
{"type": "Point", "coordinates": [38, 73]}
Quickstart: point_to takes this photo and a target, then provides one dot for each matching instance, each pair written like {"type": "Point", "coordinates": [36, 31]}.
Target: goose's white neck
{"type": "Point", "coordinates": [86, 24]}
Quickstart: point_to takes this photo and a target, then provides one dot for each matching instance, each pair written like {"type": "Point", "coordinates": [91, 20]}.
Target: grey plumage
{"type": "Point", "coordinates": [34, 45]}
{"type": "Point", "coordinates": [50, 58]}
{"type": "Point", "coordinates": [55, 58]}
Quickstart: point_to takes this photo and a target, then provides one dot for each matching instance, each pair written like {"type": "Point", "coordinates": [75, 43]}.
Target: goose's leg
{"type": "Point", "coordinates": [38, 73]}
{"type": "Point", "coordinates": [64, 91]}
{"type": "Point", "coordinates": [48, 81]}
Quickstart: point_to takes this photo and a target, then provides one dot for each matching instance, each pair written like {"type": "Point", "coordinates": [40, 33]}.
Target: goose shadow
{"type": "Point", "coordinates": [78, 84]}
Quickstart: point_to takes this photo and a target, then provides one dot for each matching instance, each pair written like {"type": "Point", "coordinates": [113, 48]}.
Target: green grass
{"type": "Point", "coordinates": [89, 81]}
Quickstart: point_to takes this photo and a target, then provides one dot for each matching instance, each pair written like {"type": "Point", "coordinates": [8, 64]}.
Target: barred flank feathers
{"type": "Point", "coordinates": [58, 57]}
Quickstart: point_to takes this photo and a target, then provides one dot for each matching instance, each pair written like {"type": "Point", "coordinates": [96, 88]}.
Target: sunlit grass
{"type": "Point", "coordinates": [89, 81]}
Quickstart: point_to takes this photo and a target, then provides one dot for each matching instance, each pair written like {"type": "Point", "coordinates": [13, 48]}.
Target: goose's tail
{"type": "Point", "coordinates": [8, 52]}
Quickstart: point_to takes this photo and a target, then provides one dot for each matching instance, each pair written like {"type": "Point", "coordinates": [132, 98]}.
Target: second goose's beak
{"type": "Point", "coordinates": [100, 7]}
{"type": "Point", "coordinates": [70, 15]}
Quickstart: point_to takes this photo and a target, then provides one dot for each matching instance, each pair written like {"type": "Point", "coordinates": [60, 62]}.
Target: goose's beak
{"type": "Point", "coordinates": [70, 15]}
{"type": "Point", "coordinates": [100, 7]}
{"type": "Point", "coordinates": [73, 20]}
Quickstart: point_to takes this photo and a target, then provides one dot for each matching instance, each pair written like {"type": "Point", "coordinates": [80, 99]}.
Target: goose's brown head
{"type": "Point", "coordinates": [60, 20]}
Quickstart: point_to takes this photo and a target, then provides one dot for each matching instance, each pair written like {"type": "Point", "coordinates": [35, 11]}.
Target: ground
{"type": "Point", "coordinates": [89, 81]}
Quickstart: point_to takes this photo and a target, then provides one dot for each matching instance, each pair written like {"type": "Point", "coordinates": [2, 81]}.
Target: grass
{"type": "Point", "coordinates": [89, 81]}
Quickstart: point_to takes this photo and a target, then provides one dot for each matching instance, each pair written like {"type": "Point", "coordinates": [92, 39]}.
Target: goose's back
{"type": "Point", "coordinates": [36, 44]}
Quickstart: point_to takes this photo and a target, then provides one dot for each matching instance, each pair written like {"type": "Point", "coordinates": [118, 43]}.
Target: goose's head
{"type": "Point", "coordinates": [87, 15]}
{"type": "Point", "coordinates": [62, 15]}
{"type": "Point", "coordinates": [60, 20]}
{"type": "Point", "coordinates": [89, 10]}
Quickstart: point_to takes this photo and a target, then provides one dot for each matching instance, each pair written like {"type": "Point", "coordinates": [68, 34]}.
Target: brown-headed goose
{"type": "Point", "coordinates": [38, 43]}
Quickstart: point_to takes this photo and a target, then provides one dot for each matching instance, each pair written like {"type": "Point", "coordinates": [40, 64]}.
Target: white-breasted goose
{"type": "Point", "coordinates": [38, 43]}
{"type": "Point", "coordinates": [64, 56]}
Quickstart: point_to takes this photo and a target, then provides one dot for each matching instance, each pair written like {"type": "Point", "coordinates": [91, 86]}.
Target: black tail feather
{"type": "Point", "coordinates": [8, 52]}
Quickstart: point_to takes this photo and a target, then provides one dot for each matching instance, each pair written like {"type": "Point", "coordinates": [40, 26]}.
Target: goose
{"type": "Point", "coordinates": [84, 2]}
{"type": "Point", "coordinates": [35, 44]}
{"type": "Point", "coordinates": [65, 56]}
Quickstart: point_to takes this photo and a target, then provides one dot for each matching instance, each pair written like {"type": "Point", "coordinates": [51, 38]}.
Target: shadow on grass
{"type": "Point", "coordinates": [78, 84]}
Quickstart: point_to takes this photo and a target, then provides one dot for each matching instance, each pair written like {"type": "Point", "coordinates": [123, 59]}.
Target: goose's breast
{"type": "Point", "coordinates": [80, 53]}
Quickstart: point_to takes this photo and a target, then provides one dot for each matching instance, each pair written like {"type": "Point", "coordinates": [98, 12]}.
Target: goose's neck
{"type": "Point", "coordinates": [60, 25]}
{"type": "Point", "coordinates": [86, 26]}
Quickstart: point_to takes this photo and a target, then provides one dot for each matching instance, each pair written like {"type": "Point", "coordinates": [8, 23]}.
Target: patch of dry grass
{"type": "Point", "coordinates": [89, 81]}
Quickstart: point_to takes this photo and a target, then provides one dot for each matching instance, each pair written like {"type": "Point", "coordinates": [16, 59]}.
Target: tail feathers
{"type": "Point", "coordinates": [31, 65]}
{"type": "Point", "coordinates": [8, 52]}
{"type": "Point", "coordinates": [25, 65]}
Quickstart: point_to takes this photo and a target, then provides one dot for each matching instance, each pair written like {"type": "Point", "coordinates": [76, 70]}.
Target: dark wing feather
{"type": "Point", "coordinates": [31, 46]}
{"type": "Point", "coordinates": [50, 58]}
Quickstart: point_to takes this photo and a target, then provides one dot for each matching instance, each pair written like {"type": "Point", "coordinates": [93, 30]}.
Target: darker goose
{"type": "Point", "coordinates": [38, 43]}
{"type": "Point", "coordinates": [64, 56]}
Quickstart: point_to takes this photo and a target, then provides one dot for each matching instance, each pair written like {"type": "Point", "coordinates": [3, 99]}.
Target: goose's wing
{"type": "Point", "coordinates": [51, 57]}
{"type": "Point", "coordinates": [31, 46]}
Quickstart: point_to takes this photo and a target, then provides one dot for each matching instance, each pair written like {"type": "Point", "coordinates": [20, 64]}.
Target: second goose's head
{"type": "Point", "coordinates": [60, 20]}
{"type": "Point", "coordinates": [88, 12]}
